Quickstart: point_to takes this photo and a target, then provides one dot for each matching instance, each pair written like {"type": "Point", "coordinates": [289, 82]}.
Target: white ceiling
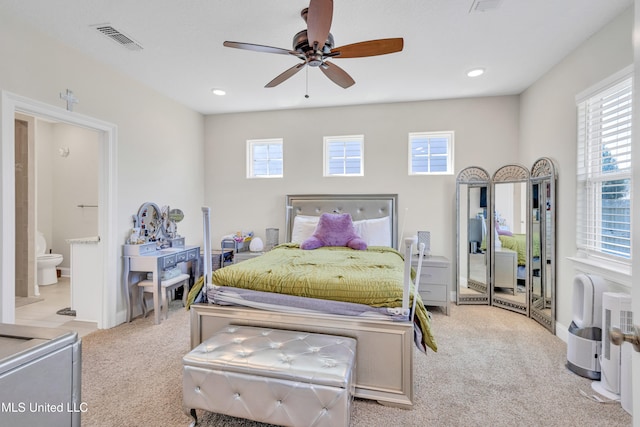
{"type": "Point", "coordinates": [183, 56]}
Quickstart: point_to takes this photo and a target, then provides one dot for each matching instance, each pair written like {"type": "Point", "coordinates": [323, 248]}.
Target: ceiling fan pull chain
{"type": "Point", "coordinates": [306, 92]}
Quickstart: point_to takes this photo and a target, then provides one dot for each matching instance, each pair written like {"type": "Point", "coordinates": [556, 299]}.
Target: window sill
{"type": "Point", "coordinates": [614, 272]}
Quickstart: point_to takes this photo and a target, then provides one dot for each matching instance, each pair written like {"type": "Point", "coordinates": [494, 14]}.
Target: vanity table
{"type": "Point", "coordinates": [153, 228]}
{"type": "Point", "coordinates": [155, 261]}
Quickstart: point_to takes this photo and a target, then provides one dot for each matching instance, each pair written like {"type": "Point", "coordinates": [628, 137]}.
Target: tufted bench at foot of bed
{"type": "Point", "coordinates": [274, 376]}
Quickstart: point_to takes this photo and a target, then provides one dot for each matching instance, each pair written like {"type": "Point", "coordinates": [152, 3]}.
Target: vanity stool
{"type": "Point", "coordinates": [273, 376]}
{"type": "Point", "coordinates": [166, 289]}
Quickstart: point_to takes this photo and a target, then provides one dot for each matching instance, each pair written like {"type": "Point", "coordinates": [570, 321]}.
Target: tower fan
{"type": "Point", "coordinates": [584, 342]}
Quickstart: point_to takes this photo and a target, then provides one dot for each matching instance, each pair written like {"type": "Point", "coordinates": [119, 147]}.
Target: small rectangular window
{"type": "Point", "coordinates": [343, 155]}
{"type": "Point", "coordinates": [264, 158]}
{"type": "Point", "coordinates": [431, 153]}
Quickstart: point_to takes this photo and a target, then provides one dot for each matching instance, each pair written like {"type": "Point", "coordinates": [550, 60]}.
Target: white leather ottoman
{"type": "Point", "coordinates": [274, 376]}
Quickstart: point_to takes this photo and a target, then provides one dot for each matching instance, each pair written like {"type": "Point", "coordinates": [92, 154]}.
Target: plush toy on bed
{"type": "Point", "coordinates": [334, 230]}
{"type": "Point", "coordinates": [502, 231]}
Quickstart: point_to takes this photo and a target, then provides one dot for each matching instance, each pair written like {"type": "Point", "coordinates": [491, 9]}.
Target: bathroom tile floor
{"type": "Point", "coordinates": [43, 312]}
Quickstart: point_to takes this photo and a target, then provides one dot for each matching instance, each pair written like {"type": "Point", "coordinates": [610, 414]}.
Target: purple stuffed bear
{"type": "Point", "coordinates": [334, 230]}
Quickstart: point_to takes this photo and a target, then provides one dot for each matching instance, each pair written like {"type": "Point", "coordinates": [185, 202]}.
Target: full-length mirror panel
{"type": "Point", "coordinates": [472, 195]}
{"type": "Point", "coordinates": [542, 252]}
{"type": "Point", "coordinates": [510, 232]}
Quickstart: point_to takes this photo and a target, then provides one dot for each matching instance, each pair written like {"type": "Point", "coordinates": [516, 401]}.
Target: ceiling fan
{"type": "Point", "coordinates": [315, 46]}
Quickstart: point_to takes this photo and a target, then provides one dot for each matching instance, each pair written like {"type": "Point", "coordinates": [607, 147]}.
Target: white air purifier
{"type": "Point", "coordinates": [584, 342]}
{"type": "Point", "coordinates": [616, 313]}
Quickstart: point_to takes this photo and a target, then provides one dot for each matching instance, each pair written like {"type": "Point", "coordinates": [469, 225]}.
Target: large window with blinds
{"type": "Point", "coordinates": [604, 172]}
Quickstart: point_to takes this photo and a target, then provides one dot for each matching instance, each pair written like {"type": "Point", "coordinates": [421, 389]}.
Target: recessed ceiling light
{"type": "Point", "coordinates": [476, 72]}
{"type": "Point", "coordinates": [218, 92]}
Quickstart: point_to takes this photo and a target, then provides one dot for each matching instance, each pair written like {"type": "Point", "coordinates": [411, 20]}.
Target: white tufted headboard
{"type": "Point", "coordinates": [360, 206]}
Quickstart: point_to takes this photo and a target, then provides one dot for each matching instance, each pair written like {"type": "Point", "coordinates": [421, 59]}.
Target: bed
{"type": "Point", "coordinates": [511, 260]}
{"type": "Point", "coordinates": [381, 323]}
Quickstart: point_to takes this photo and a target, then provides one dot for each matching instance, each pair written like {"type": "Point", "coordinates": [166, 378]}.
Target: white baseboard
{"type": "Point", "coordinates": [121, 317]}
{"type": "Point", "coordinates": [562, 332]}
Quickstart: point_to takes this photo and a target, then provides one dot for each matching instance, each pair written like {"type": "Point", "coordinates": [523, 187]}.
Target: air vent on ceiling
{"type": "Point", "coordinates": [118, 37]}
{"type": "Point", "coordinates": [484, 5]}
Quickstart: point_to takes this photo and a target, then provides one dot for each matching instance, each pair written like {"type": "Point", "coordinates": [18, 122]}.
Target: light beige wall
{"type": "Point", "coordinates": [486, 132]}
{"type": "Point", "coordinates": [548, 128]}
{"type": "Point", "coordinates": [160, 142]}
{"type": "Point", "coordinates": [75, 182]}
{"type": "Point", "coordinates": [66, 182]}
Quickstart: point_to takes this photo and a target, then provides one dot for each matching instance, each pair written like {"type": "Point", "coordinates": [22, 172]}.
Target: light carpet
{"type": "Point", "coordinates": [493, 368]}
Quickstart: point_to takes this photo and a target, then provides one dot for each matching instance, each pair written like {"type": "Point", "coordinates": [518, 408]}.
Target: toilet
{"type": "Point", "coordinates": [47, 263]}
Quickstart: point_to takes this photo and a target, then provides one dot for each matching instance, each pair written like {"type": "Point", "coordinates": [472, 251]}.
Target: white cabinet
{"type": "Point", "coordinates": [506, 270]}
{"type": "Point", "coordinates": [435, 279]}
{"type": "Point", "coordinates": [86, 258]}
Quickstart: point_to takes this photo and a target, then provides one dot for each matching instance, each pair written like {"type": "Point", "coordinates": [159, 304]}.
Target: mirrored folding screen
{"type": "Point", "coordinates": [506, 239]}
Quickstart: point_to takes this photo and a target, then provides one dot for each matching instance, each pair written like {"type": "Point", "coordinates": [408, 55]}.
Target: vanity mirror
{"type": "Point", "coordinates": [510, 248]}
{"type": "Point", "coordinates": [542, 252]}
{"type": "Point", "coordinates": [473, 259]}
{"type": "Point", "coordinates": [150, 223]}
{"type": "Point", "coordinates": [155, 224]}
{"type": "Point", "coordinates": [173, 217]}
{"type": "Point", "coordinates": [176, 215]}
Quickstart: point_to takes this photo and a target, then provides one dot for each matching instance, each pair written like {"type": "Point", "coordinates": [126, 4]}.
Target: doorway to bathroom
{"type": "Point", "coordinates": [106, 297]}
{"type": "Point", "coordinates": [56, 200]}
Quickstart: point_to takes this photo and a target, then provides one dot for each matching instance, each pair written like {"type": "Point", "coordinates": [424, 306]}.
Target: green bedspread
{"type": "Point", "coordinates": [373, 277]}
{"type": "Point", "coordinates": [518, 243]}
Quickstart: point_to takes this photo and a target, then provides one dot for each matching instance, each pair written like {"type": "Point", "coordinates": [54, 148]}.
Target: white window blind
{"type": "Point", "coordinates": [264, 158]}
{"type": "Point", "coordinates": [430, 153]}
{"type": "Point", "coordinates": [343, 155]}
{"type": "Point", "coordinates": [604, 171]}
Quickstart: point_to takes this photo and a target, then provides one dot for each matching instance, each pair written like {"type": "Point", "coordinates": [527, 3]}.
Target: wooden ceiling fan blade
{"type": "Point", "coordinates": [368, 48]}
{"type": "Point", "coordinates": [260, 48]}
{"type": "Point", "coordinates": [319, 19]}
{"type": "Point", "coordinates": [337, 75]}
{"type": "Point", "coordinates": [286, 75]}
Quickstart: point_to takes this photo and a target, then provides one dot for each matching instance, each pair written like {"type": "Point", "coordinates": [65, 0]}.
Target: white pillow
{"type": "Point", "coordinates": [303, 227]}
{"type": "Point", "coordinates": [376, 232]}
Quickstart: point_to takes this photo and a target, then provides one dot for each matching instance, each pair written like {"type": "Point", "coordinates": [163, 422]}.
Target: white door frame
{"type": "Point", "coordinates": [635, 230]}
{"type": "Point", "coordinates": [107, 276]}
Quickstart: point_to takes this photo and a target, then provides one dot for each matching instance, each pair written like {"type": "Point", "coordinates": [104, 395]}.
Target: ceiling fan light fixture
{"type": "Point", "coordinates": [218, 92]}
{"type": "Point", "coordinates": [315, 44]}
{"type": "Point", "coordinates": [476, 72]}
